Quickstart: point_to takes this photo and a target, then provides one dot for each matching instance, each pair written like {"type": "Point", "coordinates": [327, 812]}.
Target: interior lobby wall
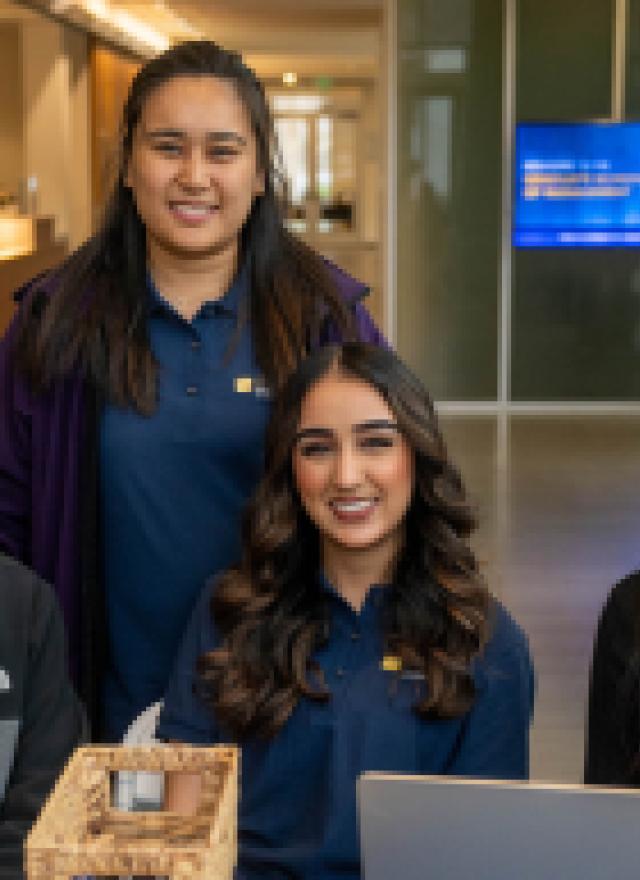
{"type": "Point", "coordinates": [56, 130]}
{"type": "Point", "coordinates": [11, 118]}
{"type": "Point", "coordinates": [111, 73]}
{"type": "Point", "coordinates": [79, 155]}
{"type": "Point", "coordinates": [46, 129]}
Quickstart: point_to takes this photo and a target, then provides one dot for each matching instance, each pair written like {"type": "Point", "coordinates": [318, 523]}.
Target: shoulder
{"type": "Point", "coordinates": [352, 290]}
{"type": "Point", "coordinates": [618, 627]}
{"type": "Point", "coordinates": [19, 588]}
{"type": "Point", "coordinates": [506, 651]}
{"type": "Point", "coordinates": [30, 299]}
{"type": "Point", "coordinates": [353, 293]}
{"type": "Point", "coordinates": [45, 283]}
{"type": "Point", "coordinates": [623, 602]}
{"type": "Point", "coordinates": [30, 618]}
{"type": "Point", "coordinates": [24, 597]}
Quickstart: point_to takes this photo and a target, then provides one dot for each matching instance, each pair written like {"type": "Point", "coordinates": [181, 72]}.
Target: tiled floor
{"type": "Point", "coordinates": [559, 506]}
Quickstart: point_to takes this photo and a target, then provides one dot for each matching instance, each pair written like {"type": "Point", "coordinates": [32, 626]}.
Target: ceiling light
{"type": "Point", "coordinates": [117, 23]}
{"type": "Point", "coordinates": [290, 78]}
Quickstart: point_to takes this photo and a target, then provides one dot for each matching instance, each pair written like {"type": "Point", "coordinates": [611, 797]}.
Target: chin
{"type": "Point", "coordinates": [356, 542]}
{"type": "Point", "coordinates": [189, 249]}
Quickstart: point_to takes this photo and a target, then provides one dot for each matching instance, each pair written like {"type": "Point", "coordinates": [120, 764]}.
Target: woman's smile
{"type": "Point", "coordinates": [353, 467]}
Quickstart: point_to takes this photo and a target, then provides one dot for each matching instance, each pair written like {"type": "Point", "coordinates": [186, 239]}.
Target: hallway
{"type": "Point", "coordinates": [559, 515]}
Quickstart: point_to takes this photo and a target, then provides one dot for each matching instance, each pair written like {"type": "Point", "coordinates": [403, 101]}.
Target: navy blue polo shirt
{"type": "Point", "coordinates": [173, 488]}
{"type": "Point", "coordinates": [297, 810]}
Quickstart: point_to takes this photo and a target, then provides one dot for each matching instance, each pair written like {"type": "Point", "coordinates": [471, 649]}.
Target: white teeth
{"type": "Point", "coordinates": [352, 506]}
{"type": "Point", "coordinates": [193, 210]}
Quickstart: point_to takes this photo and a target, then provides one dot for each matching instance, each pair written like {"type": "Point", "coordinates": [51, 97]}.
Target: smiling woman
{"type": "Point", "coordinates": [354, 473]}
{"type": "Point", "coordinates": [135, 380]}
{"type": "Point", "coordinates": [356, 633]}
{"type": "Point", "coordinates": [194, 185]}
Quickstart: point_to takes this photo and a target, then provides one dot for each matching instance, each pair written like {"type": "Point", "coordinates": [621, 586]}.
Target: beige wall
{"type": "Point", "coordinates": [10, 106]}
{"type": "Point", "coordinates": [56, 132]}
{"type": "Point", "coordinates": [371, 163]}
{"type": "Point", "coordinates": [79, 156]}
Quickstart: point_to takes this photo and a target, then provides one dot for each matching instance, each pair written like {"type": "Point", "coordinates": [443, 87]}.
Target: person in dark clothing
{"type": "Point", "coordinates": [356, 632]}
{"type": "Point", "coordinates": [136, 378]}
{"type": "Point", "coordinates": [41, 720]}
{"type": "Point", "coordinates": [612, 755]}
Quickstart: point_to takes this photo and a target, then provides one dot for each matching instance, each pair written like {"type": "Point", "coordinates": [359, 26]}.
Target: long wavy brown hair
{"type": "Point", "coordinates": [270, 615]}
{"type": "Point", "coordinates": [97, 318]}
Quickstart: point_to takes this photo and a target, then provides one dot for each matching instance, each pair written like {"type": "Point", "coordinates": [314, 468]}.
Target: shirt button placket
{"type": "Point", "coordinates": [196, 347]}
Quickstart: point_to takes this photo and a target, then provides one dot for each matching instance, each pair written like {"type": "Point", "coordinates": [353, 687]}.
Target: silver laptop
{"type": "Point", "coordinates": [442, 828]}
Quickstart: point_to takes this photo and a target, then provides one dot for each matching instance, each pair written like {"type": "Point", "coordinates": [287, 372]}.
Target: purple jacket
{"type": "Point", "coordinates": [48, 467]}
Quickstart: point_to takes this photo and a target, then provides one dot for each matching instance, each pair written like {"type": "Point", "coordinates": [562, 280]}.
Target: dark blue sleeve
{"type": "Point", "coordinates": [494, 741]}
{"type": "Point", "coordinates": [185, 717]}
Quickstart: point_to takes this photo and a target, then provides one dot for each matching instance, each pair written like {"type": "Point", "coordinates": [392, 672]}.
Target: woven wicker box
{"type": "Point", "coordinates": [79, 832]}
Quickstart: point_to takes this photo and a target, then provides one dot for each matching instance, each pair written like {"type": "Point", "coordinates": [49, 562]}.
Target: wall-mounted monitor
{"type": "Point", "coordinates": [577, 185]}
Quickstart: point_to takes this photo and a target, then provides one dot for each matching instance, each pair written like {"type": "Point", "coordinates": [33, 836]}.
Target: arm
{"type": "Point", "coordinates": [52, 726]}
{"type": "Point", "coordinates": [613, 725]}
{"type": "Point", "coordinates": [15, 456]}
{"type": "Point", "coordinates": [494, 742]}
{"type": "Point", "coordinates": [184, 718]}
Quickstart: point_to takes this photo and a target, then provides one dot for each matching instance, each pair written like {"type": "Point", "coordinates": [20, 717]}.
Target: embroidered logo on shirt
{"type": "Point", "coordinates": [391, 663]}
{"type": "Point", "coordinates": [251, 384]}
{"type": "Point", "coordinates": [5, 680]}
{"type": "Point", "coordinates": [243, 384]}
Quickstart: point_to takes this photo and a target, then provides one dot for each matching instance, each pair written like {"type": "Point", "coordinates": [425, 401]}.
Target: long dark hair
{"type": "Point", "coordinates": [271, 617]}
{"type": "Point", "coordinates": [96, 319]}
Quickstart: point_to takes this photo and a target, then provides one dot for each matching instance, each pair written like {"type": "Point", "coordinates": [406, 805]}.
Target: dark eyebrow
{"type": "Point", "coordinates": [376, 425]}
{"type": "Point", "coordinates": [360, 428]}
{"type": "Point", "coordinates": [306, 433]}
{"type": "Point", "coordinates": [227, 136]}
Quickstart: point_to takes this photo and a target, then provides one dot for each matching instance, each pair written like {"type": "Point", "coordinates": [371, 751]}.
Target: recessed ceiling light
{"type": "Point", "coordinates": [290, 78]}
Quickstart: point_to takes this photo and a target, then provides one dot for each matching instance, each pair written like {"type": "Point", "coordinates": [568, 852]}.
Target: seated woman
{"type": "Point", "coordinates": [356, 632]}
{"type": "Point", "coordinates": [613, 725]}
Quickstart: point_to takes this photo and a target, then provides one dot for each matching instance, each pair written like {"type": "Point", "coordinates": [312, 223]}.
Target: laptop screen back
{"type": "Point", "coordinates": [438, 828]}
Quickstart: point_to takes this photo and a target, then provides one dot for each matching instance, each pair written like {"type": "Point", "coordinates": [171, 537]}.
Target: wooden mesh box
{"type": "Point", "coordinates": [79, 832]}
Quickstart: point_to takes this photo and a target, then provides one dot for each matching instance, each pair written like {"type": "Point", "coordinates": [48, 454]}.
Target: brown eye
{"type": "Point", "coordinates": [309, 450]}
{"type": "Point", "coordinates": [168, 148]}
{"type": "Point", "coordinates": [221, 152]}
{"type": "Point", "coordinates": [379, 441]}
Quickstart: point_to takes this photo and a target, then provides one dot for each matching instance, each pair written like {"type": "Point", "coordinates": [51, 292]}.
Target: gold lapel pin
{"type": "Point", "coordinates": [242, 384]}
{"type": "Point", "coordinates": [391, 663]}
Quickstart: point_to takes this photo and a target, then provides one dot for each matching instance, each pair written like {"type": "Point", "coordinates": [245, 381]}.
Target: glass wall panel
{"type": "Point", "coordinates": [632, 73]}
{"type": "Point", "coordinates": [449, 190]}
{"type": "Point", "coordinates": [575, 311]}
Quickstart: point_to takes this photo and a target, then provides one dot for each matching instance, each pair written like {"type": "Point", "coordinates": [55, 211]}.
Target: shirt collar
{"type": "Point", "coordinates": [375, 594]}
{"type": "Point", "coordinates": [228, 304]}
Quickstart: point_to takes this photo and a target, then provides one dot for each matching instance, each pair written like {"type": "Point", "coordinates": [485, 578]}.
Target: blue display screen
{"type": "Point", "coordinates": [577, 185]}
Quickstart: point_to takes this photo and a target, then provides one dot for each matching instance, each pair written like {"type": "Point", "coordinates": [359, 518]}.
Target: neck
{"type": "Point", "coordinates": [188, 283]}
{"type": "Point", "coordinates": [353, 571]}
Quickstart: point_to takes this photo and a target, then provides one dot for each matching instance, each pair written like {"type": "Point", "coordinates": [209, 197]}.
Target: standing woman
{"type": "Point", "coordinates": [134, 382]}
{"type": "Point", "coordinates": [356, 632]}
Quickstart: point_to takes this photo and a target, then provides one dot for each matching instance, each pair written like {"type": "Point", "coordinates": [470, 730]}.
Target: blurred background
{"type": "Point", "coordinates": [475, 163]}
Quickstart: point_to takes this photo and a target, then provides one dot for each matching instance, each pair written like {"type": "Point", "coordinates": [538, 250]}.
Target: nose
{"type": "Point", "coordinates": [193, 171]}
{"type": "Point", "coordinates": [348, 467]}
